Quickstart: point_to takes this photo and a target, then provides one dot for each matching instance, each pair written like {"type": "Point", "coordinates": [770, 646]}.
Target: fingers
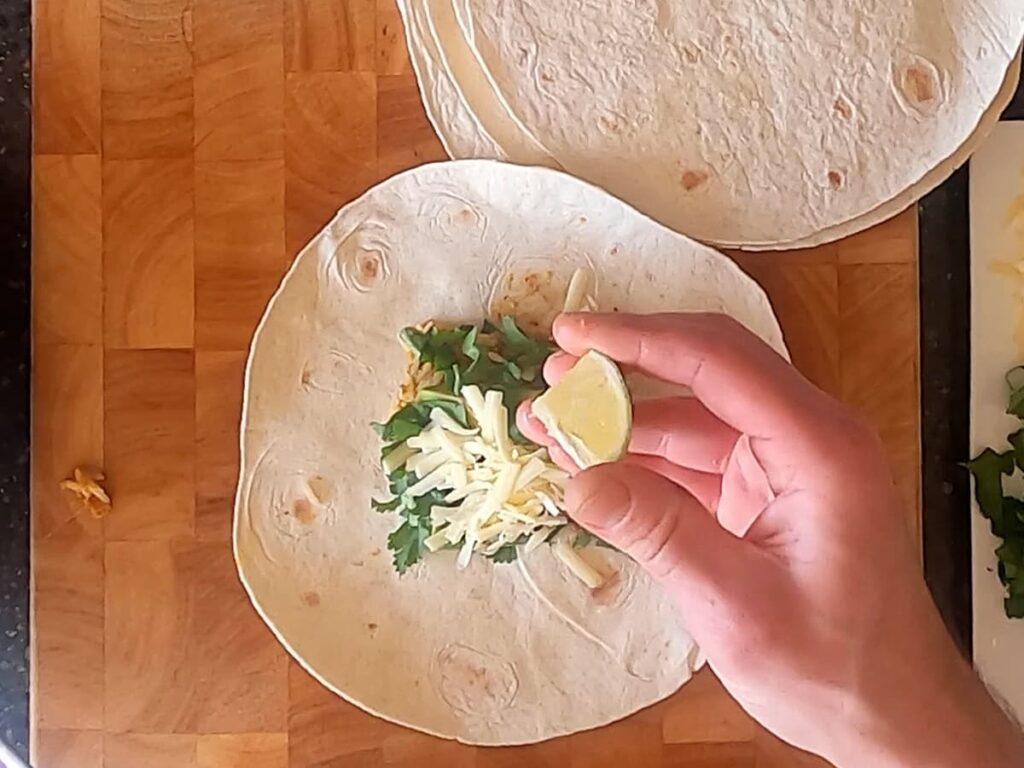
{"type": "Point", "coordinates": [663, 528]}
{"type": "Point", "coordinates": [535, 432]}
{"type": "Point", "coordinates": [676, 437]}
{"type": "Point", "coordinates": [683, 431]}
{"type": "Point", "coordinates": [556, 366]}
{"type": "Point", "coordinates": [703, 486]}
{"type": "Point", "coordinates": [738, 377]}
{"type": "Point", "coordinates": [746, 490]}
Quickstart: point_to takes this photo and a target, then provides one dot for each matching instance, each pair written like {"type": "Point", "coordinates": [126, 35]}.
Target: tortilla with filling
{"type": "Point", "coordinates": [495, 654]}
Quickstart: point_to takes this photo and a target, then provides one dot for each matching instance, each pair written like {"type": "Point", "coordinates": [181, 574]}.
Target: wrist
{"type": "Point", "coordinates": [928, 712]}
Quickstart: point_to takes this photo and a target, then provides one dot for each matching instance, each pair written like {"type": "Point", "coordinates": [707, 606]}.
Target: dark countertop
{"type": "Point", "coordinates": [15, 41]}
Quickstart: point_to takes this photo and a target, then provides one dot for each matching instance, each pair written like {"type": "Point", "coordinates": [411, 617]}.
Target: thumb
{"type": "Point", "coordinates": [662, 527]}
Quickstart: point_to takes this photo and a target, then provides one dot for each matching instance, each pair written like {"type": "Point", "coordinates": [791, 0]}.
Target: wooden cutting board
{"type": "Point", "coordinates": [185, 151]}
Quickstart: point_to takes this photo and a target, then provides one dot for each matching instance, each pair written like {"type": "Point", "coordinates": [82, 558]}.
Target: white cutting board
{"type": "Point", "coordinates": [997, 345]}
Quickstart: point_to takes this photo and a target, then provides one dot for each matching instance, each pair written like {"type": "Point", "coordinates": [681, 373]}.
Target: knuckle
{"type": "Point", "coordinates": [655, 550]}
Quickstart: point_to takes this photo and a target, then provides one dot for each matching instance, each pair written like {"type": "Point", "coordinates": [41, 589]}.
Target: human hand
{"type": "Point", "coordinates": [768, 510]}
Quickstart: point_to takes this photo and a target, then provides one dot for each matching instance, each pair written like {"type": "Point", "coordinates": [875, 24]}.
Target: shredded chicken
{"type": "Point", "coordinates": [88, 491]}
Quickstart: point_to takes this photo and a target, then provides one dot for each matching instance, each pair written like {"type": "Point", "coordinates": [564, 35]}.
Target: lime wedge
{"type": "Point", "coordinates": [588, 412]}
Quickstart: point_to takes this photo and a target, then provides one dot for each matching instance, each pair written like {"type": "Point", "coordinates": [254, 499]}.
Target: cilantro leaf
{"type": "Point", "coordinates": [988, 469]}
{"type": "Point", "coordinates": [1015, 381]}
{"type": "Point", "coordinates": [406, 422]}
{"type": "Point", "coordinates": [407, 545]}
{"type": "Point", "coordinates": [386, 506]}
{"type": "Point", "coordinates": [507, 554]}
{"type": "Point", "coordinates": [406, 541]}
{"type": "Point", "coordinates": [1017, 441]}
{"type": "Point", "coordinates": [437, 346]}
{"type": "Point", "coordinates": [429, 399]}
{"type": "Point", "coordinates": [411, 419]}
{"type": "Point", "coordinates": [587, 539]}
{"type": "Point", "coordinates": [1005, 513]}
{"type": "Point", "coordinates": [524, 350]}
{"type": "Point", "coordinates": [1014, 607]}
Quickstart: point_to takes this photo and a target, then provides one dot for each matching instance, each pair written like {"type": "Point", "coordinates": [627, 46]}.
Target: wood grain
{"type": "Point", "coordinates": [239, 79]}
{"type": "Point", "coordinates": [67, 263]}
{"type": "Point", "coordinates": [805, 296]}
{"type": "Point", "coordinates": [330, 37]}
{"type": "Point", "coordinates": [331, 152]}
{"type": "Point", "coordinates": [218, 415]}
{"type": "Point", "coordinates": [66, 110]}
{"type": "Point", "coordinates": [129, 750]}
{"type": "Point", "coordinates": [405, 137]}
{"type": "Point", "coordinates": [701, 714]}
{"type": "Point", "coordinates": [68, 749]}
{"type": "Point", "coordinates": [68, 590]}
{"type": "Point", "coordinates": [146, 65]}
{"type": "Point", "coordinates": [243, 750]}
{"type": "Point", "coordinates": [149, 682]}
{"type": "Point", "coordinates": [148, 252]}
{"type": "Point", "coordinates": [149, 414]}
{"type": "Point", "coordinates": [240, 668]}
{"type": "Point", "coordinates": [67, 545]}
{"type": "Point", "coordinates": [186, 150]}
{"type": "Point", "coordinates": [392, 56]}
{"type": "Point", "coordinates": [239, 248]}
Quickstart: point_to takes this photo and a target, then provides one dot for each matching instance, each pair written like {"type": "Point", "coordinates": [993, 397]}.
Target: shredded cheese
{"type": "Point", "coordinates": [502, 493]}
{"type": "Point", "coordinates": [574, 561]}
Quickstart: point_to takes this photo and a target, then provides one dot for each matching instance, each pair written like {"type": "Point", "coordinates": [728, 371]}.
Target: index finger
{"type": "Point", "coordinates": [738, 377]}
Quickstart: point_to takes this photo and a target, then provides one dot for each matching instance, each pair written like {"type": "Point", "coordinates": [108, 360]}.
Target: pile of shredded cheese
{"type": "Point", "coordinates": [503, 492]}
{"type": "Point", "coordinates": [500, 493]}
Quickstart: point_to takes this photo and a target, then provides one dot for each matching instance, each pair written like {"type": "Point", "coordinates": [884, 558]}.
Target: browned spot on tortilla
{"type": "Point", "coordinates": [372, 627]}
{"type": "Point", "coordinates": [919, 84]}
{"type": "Point", "coordinates": [375, 552]}
{"type": "Point", "coordinates": [836, 180]}
{"type": "Point", "coordinates": [612, 123]}
{"type": "Point", "coordinates": [304, 511]}
{"type": "Point", "coordinates": [312, 599]}
{"type": "Point", "coordinates": [843, 108]}
{"type": "Point", "coordinates": [307, 377]}
{"type": "Point", "coordinates": [693, 179]}
{"type": "Point", "coordinates": [534, 280]}
{"type": "Point", "coordinates": [369, 268]}
{"type": "Point", "coordinates": [692, 53]}
{"type": "Point", "coordinates": [547, 77]}
{"type": "Point", "coordinates": [465, 216]}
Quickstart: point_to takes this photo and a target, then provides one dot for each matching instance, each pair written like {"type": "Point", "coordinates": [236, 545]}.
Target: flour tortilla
{"type": "Point", "coordinates": [496, 654]}
{"type": "Point", "coordinates": [859, 139]}
{"type": "Point", "coordinates": [444, 103]}
{"type": "Point", "coordinates": [459, 111]}
{"type": "Point", "coordinates": [436, 35]}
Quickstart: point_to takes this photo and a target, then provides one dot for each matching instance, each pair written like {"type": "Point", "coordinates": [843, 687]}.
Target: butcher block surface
{"type": "Point", "coordinates": [185, 150]}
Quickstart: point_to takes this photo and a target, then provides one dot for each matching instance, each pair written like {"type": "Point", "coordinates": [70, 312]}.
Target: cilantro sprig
{"type": "Point", "coordinates": [1005, 513]}
{"type": "Point", "coordinates": [501, 357]}
{"type": "Point", "coordinates": [494, 357]}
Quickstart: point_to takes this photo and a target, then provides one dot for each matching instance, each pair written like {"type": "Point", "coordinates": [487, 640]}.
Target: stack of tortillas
{"type": "Point", "coordinates": [759, 125]}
